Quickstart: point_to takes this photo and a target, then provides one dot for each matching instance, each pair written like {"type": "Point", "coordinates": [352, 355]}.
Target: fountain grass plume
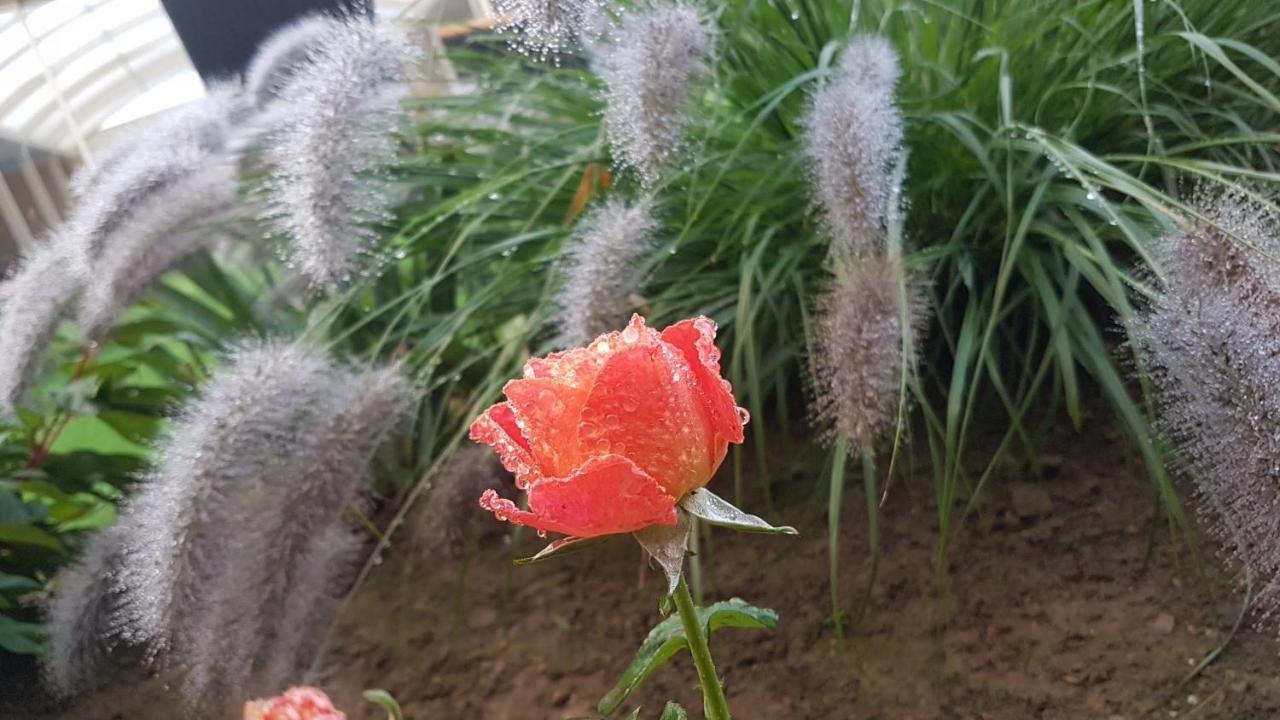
{"type": "Point", "coordinates": [39, 294]}
{"type": "Point", "coordinates": [1210, 342]}
{"type": "Point", "coordinates": [853, 138]}
{"type": "Point", "coordinates": [282, 52]}
{"type": "Point", "coordinates": [82, 617]}
{"type": "Point", "coordinates": [241, 646]}
{"type": "Point", "coordinates": [857, 361]}
{"type": "Point", "coordinates": [321, 578]}
{"type": "Point", "coordinates": [602, 270]}
{"type": "Point", "coordinates": [658, 53]}
{"type": "Point", "coordinates": [449, 517]}
{"type": "Point", "coordinates": [548, 28]}
{"type": "Point", "coordinates": [148, 161]}
{"type": "Point", "coordinates": [325, 189]}
{"type": "Point", "coordinates": [275, 447]}
{"type": "Point", "coordinates": [163, 230]}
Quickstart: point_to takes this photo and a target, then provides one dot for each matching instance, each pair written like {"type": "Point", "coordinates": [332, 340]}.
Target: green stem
{"type": "Point", "coordinates": [714, 704]}
{"type": "Point", "coordinates": [834, 504]}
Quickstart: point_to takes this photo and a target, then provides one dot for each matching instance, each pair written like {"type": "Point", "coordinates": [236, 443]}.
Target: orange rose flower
{"type": "Point", "coordinates": [609, 438]}
{"type": "Point", "coordinates": [300, 703]}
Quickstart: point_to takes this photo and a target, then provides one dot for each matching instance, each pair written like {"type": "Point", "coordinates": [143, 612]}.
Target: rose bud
{"type": "Point", "coordinates": [299, 703]}
{"type": "Point", "coordinates": [611, 437]}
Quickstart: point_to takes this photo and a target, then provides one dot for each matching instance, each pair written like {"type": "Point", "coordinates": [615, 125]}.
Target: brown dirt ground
{"type": "Point", "coordinates": [1066, 601]}
{"type": "Point", "coordinates": [1069, 599]}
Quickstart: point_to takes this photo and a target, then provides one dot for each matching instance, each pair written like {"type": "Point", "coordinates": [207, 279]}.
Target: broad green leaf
{"type": "Point", "coordinates": [13, 511]}
{"type": "Point", "coordinates": [19, 534]}
{"type": "Point", "coordinates": [95, 517]}
{"type": "Point", "coordinates": [17, 584]}
{"type": "Point", "coordinates": [667, 638]}
{"type": "Point", "coordinates": [708, 507]}
{"type": "Point", "coordinates": [21, 638]}
{"type": "Point", "coordinates": [134, 427]}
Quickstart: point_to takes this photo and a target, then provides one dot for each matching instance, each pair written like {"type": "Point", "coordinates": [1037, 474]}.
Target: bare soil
{"type": "Point", "coordinates": [1069, 597]}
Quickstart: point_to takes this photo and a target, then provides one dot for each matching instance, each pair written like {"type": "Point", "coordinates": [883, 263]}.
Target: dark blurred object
{"type": "Point", "coordinates": [222, 35]}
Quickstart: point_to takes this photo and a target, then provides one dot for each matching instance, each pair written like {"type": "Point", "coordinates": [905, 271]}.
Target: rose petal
{"type": "Point", "coordinates": [497, 427]}
{"type": "Point", "coordinates": [607, 495]}
{"type": "Point", "coordinates": [547, 413]}
{"type": "Point", "coordinates": [299, 703]}
{"type": "Point", "coordinates": [644, 406]}
{"type": "Point", "coordinates": [576, 368]}
{"type": "Point", "coordinates": [696, 338]}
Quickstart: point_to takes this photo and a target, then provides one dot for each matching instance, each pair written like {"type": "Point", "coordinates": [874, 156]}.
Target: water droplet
{"type": "Point", "coordinates": [744, 416]}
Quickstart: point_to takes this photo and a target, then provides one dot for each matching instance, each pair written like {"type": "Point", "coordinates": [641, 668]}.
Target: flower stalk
{"type": "Point", "coordinates": [714, 704]}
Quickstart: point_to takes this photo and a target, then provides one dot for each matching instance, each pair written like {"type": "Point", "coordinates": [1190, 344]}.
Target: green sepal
{"type": "Point", "coordinates": [711, 508]}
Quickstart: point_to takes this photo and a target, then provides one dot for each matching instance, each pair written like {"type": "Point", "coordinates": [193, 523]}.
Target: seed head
{"type": "Point", "coordinates": [658, 54]}
{"type": "Point", "coordinates": [1210, 342]}
{"type": "Point", "coordinates": [158, 234]}
{"type": "Point", "coordinates": [450, 516]}
{"type": "Point", "coordinates": [602, 270]}
{"type": "Point", "coordinates": [324, 190]}
{"type": "Point", "coordinates": [857, 362]}
{"type": "Point", "coordinates": [853, 139]}
{"type": "Point", "coordinates": [39, 294]}
{"type": "Point", "coordinates": [282, 52]}
{"type": "Point", "coordinates": [547, 28]}
{"type": "Point", "coordinates": [146, 163]}
{"type": "Point", "coordinates": [270, 454]}
{"type": "Point", "coordinates": [82, 615]}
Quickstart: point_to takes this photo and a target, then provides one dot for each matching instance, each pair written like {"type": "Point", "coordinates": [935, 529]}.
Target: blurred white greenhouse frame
{"type": "Point", "coordinates": [72, 71]}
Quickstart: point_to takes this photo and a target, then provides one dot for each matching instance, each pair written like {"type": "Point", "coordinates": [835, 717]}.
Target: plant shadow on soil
{"type": "Point", "coordinates": [1069, 598]}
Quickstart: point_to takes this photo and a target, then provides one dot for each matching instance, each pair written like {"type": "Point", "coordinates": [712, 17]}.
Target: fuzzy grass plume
{"type": "Point", "coordinates": [146, 163]}
{"type": "Point", "coordinates": [548, 28]}
{"type": "Point", "coordinates": [228, 540]}
{"type": "Point", "coordinates": [1210, 341]}
{"type": "Point", "coordinates": [282, 52]}
{"type": "Point", "coordinates": [82, 615]}
{"type": "Point", "coordinates": [857, 362]}
{"type": "Point", "coordinates": [324, 190]}
{"type": "Point", "coordinates": [602, 271]}
{"type": "Point", "coordinates": [853, 137]}
{"type": "Point", "coordinates": [39, 294]}
{"type": "Point", "coordinates": [659, 52]}
{"type": "Point", "coordinates": [166, 228]}
{"type": "Point", "coordinates": [450, 516]}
